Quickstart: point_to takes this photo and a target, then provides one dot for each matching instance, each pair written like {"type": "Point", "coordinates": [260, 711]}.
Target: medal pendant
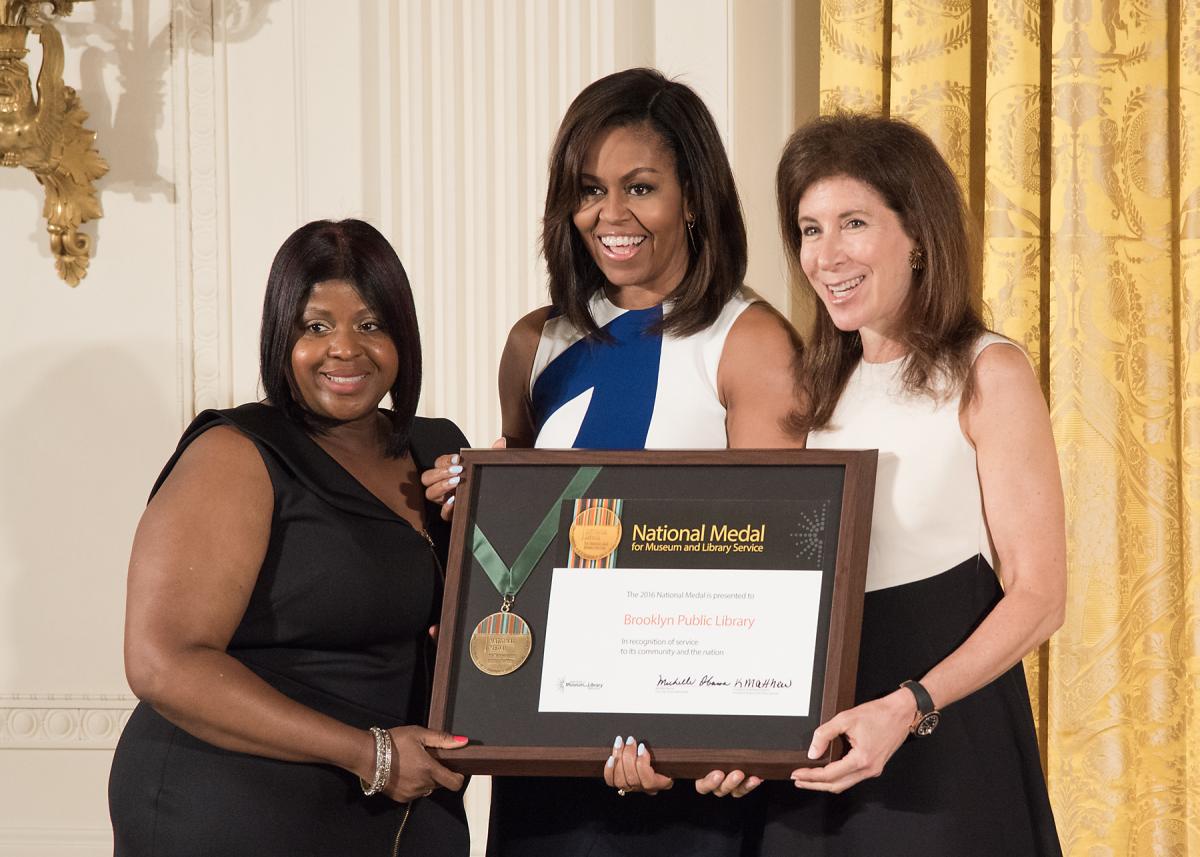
{"type": "Point", "coordinates": [595, 533]}
{"type": "Point", "coordinates": [501, 643]}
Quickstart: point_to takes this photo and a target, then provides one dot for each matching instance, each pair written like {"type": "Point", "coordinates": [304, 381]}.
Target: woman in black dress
{"type": "Point", "coordinates": [283, 584]}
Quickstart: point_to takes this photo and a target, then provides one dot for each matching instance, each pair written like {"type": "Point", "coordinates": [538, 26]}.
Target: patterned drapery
{"type": "Point", "coordinates": [1074, 127]}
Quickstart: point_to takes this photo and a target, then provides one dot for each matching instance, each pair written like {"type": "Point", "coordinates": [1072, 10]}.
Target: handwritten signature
{"type": "Point", "coordinates": [739, 683]}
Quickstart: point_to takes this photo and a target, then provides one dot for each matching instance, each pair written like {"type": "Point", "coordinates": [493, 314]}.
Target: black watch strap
{"type": "Point", "coordinates": [924, 700]}
{"type": "Point", "coordinates": [928, 716]}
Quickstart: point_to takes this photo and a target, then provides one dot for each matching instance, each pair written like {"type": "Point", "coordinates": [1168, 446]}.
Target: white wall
{"type": "Point", "coordinates": [91, 405]}
{"type": "Point", "coordinates": [227, 123]}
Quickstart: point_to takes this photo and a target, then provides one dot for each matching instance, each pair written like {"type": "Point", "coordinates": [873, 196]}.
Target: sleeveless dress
{"type": "Point", "coordinates": [642, 390]}
{"type": "Point", "coordinates": [338, 621]}
{"type": "Point", "coordinates": [975, 786]}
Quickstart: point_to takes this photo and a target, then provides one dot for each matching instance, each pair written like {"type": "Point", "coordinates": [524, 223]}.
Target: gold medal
{"type": "Point", "coordinates": [595, 533]}
{"type": "Point", "coordinates": [501, 643]}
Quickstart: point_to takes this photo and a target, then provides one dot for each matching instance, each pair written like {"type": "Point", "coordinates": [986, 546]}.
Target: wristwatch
{"type": "Point", "coordinates": [928, 717]}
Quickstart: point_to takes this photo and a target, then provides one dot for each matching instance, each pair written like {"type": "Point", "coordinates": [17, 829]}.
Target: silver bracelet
{"type": "Point", "coordinates": [383, 763]}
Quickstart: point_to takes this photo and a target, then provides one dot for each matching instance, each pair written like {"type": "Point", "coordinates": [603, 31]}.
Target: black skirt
{"type": "Point", "coordinates": [975, 786]}
{"type": "Point", "coordinates": [578, 817]}
{"type": "Point", "coordinates": [173, 795]}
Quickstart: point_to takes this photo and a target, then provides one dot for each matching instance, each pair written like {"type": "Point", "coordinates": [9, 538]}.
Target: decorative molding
{"type": "Point", "coordinates": [63, 721]}
{"type": "Point", "coordinates": [49, 140]}
{"type": "Point", "coordinates": [76, 841]}
{"type": "Point", "coordinates": [201, 216]}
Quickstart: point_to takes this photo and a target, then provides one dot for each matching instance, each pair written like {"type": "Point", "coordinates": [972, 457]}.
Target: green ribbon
{"type": "Point", "coordinates": [508, 581]}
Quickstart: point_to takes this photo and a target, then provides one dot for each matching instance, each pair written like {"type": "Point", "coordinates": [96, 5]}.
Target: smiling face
{"type": "Point", "coordinates": [632, 215]}
{"type": "Point", "coordinates": [343, 362]}
{"type": "Point", "coordinates": [854, 251]}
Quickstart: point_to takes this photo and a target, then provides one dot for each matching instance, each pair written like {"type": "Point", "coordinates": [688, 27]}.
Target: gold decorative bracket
{"type": "Point", "coordinates": [48, 136]}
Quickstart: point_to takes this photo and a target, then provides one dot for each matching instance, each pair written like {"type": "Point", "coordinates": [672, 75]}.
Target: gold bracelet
{"type": "Point", "coordinates": [383, 763]}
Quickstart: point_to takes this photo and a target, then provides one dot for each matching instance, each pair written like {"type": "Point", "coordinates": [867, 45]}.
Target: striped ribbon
{"type": "Point", "coordinates": [508, 581]}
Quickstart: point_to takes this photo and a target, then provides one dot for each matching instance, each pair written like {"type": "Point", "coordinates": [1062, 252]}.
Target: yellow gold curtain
{"type": "Point", "coordinates": [1074, 126]}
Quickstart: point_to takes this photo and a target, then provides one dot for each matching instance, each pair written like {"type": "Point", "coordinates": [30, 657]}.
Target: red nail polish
{"type": "Point", "coordinates": [463, 738]}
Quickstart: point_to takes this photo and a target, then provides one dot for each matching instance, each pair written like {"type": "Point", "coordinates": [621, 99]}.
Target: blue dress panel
{"type": "Point", "coordinates": [641, 390]}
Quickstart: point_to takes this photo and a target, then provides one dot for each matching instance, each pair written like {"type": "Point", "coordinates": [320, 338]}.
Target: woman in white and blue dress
{"type": "Point", "coordinates": [967, 563]}
{"type": "Point", "coordinates": [651, 341]}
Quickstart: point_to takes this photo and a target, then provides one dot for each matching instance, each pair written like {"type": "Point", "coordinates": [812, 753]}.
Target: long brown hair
{"type": "Point", "coordinates": [673, 111]}
{"type": "Point", "coordinates": [940, 322]}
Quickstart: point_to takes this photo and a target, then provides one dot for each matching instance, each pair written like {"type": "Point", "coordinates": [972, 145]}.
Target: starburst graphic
{"type": "Point", "coordinates": [808, 537]}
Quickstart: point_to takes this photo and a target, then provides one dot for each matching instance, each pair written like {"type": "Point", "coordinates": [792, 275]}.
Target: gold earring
{"type": "Point", "coordinates": [916, 259]}
{"type": "Point", "coordinates": [691, 226]}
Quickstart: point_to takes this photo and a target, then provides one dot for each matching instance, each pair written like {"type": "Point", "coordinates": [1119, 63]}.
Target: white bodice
{"type": "Point", "coordinates": [928, 514]}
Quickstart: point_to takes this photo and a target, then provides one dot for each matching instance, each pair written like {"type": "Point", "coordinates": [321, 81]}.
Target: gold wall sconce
{"type": "Point", "coordinates": [48, 137]}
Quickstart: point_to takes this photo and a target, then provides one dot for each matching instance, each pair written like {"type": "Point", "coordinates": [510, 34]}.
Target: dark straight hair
{"type": "Point", "coordinates": [673, 111]}
{"type": "Point", "coordinates": [940, 322]}
{"type": "Point", "coordinates": [357, 253]}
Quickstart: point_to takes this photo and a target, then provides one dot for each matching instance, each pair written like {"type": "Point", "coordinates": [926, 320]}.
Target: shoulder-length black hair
{"type": "Point", "coordinates": [717, 263]}
{"type": "Point", "coordinates": [940, 322]}
{"type": "Point", "coordinates": [357, 253]}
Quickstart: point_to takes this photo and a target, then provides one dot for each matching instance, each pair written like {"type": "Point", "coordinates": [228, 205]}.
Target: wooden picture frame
{"type": "Point", "coordinates": [508, 492]}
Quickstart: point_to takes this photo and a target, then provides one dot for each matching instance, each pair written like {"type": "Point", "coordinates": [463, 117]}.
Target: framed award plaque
{"type": "Point", "coordinates": [707, 602]}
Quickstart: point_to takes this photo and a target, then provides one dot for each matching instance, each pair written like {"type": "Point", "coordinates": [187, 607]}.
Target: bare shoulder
{"type": "Point", "coordinates": [525, 334]}
{"type": "Point", "coordinates": [197, 553]}
{"type": "Point", "coordinates": [761, 340]}
{"type": "Point", "coordinates": [516, 365]}
{"type": "Point", "coordinates": [517, 359]}
{"type": "Point", "coordinates": [756, 379]}
{"type": "Point", "coordinates": [761, 327]}
{"type": "Point", "coordinates": [762, 317]}
{"type": "Point", "coordinates": [222, 463]}
{"type": "Point", "coordinates": [1007, 396]}
{"type": "Point", "coordinates": [1003, 370]}
{"type": "Point", "coordinates": [221, 440]}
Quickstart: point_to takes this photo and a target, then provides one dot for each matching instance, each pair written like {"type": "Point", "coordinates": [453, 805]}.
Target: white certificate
{"type": "Point", "coordinates": [665, 641]}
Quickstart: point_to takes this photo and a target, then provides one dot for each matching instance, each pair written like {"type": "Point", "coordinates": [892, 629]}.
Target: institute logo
{"type": "Point", "coordinates": [595, 533]}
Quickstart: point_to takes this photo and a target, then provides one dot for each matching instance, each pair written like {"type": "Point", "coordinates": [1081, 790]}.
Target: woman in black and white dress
{"type": "Point", "coordinates": [967, 564]}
